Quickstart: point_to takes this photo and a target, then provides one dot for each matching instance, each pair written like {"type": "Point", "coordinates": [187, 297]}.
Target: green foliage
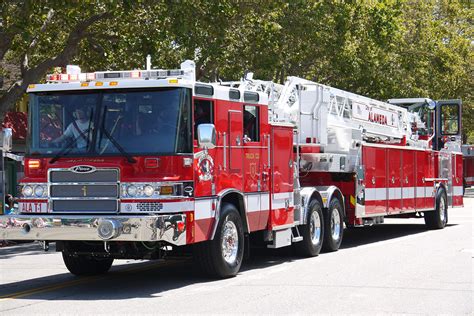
{"type": "Point", "coordinates": [382, 49]}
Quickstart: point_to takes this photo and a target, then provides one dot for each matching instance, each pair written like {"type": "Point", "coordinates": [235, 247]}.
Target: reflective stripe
{"type": "Point", "coordinates": [420, 192]}
{"type": "Point", "coordinates": [377, 194]}
{"type": "Point", "coordinates": [252, 203]}
{"type": "Point", "coordinates": [394, 193]}
{"type": "Point", "coordinates": [279, 200]}
{"type": "Point", "coordinates": [257, 202]}
{"type": "Point", "coordinates": [265, 202]}
{"type": "Point", "coordinates": [458, 190]}
{"type": "Point", "coordinates": [408, 193]}
{"type": "Point", "coordinates": [203, 209]}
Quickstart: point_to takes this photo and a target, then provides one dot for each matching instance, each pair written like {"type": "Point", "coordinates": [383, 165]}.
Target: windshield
{"type": "Point", "coordinates": [154, 122]}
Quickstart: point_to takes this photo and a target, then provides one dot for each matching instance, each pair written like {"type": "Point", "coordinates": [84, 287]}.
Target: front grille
{"type": "Point", "coordinates": [85, 206]}
{"type": "Point", "coordinates": [84, 190]}
{"type": "Point", "coordinates": [96, 191]}
{"type": "Point", "coordinates": [67, 176]}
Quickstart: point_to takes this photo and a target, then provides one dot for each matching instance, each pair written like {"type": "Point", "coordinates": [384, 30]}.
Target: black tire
{"type": "Point", "coordinates": [438, 218]}
{"type": "Point", "coordinates": [312, 241]}
{"type": "Point", "coordinates": [210, 254]}
{"type": "Point", "coordinates": [333, 226]}
{"type": "Point", "coordinates": [86, 265]}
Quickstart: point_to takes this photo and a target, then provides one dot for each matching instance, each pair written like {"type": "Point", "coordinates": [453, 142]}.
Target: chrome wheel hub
{"type": "Point", "coordinates": [315, 228]}
{"type": "Point", "coordinates": [230, 242]}
{"type": "Point", "coordinates": [335, 224]}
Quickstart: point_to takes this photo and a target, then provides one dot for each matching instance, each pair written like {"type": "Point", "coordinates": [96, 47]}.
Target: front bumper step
{"type": "Point", "coordinates": [167, 228]}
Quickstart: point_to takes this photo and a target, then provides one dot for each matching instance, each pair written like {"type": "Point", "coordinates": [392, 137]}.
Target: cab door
{"type": "Point", "coordinates": [252, 147]}
{"type": "Point", "coordinates": [235, 148]}
{"type": "Point", "coordinates": [448, 125]}
{"type": "Point", "coordinates": [449, 140]}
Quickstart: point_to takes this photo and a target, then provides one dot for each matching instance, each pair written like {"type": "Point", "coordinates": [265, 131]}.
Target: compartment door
{"type": "Point", "coordinates": [408, 181]}
{"type": "Point", "coordinates": [394, 160]}
{"type": "Point", "coordinates": [282, 204]}
{"type": "Point", "coordinates": [457, 180]}
{"type": "Point", "coordinates": [424, 189]}
{"type": "Point", "coordinates": [375, 180]}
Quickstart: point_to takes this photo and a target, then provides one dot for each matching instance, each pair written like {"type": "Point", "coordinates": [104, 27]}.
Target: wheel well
{"type": "Point", "coordinates": [316, 196]}
{"type": "Point", "coordinates": [337, 194]}
{"type": "Point", "coordinates": [237, 200]}
{"type": "Point", "coordinates": [441, 186]}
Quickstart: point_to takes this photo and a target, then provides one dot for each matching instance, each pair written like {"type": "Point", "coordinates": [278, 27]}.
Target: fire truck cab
{"type": "Point", "coordinates": [133, 164]}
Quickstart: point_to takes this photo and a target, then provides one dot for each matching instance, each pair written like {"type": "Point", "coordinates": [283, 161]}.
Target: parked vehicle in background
{"type": "Point", "coordinates": [468, 165]}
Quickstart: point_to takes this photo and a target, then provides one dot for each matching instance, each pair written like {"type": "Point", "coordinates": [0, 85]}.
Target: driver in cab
{"type": "Point", "coordinates": [78, 130]}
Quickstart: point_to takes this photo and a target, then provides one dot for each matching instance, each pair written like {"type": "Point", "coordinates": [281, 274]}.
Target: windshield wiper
{"type": "Point", "coordinates": [65, 150]}
{"type": "Point", "coordinates": [129, 157]}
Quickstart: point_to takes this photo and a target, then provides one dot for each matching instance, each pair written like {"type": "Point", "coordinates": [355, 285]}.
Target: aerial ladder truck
{"type": "Point", "coordinates": [154, 161]}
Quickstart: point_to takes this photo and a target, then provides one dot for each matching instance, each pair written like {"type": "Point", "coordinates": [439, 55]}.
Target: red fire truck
{"type": "Point", "coordinates": [468, 165]}
{"type": "Point", "coordinates": [133, 164]}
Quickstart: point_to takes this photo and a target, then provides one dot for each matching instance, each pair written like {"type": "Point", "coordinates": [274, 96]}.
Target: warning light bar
{"type": "Point", "coordinates": [116, 75]}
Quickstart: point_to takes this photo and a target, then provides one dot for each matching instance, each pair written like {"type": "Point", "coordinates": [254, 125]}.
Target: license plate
{"type": "Point", "coordinates": [33, 207]}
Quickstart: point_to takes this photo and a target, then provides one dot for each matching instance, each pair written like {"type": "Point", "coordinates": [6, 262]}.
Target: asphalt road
{"type": "Point", "coordinates": [397, 267]}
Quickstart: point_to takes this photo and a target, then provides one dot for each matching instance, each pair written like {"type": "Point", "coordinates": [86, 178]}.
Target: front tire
{"type": "Point", "coordinates": [438, 218]}
{"type": "Point", "coordinates": [333, 226]}
{"type": "Point", "coordinates": [222, 256]}
{"type": "Point", "coordinates": [312, 232]}
{"type": "Point", "coordinates": [86, 265]}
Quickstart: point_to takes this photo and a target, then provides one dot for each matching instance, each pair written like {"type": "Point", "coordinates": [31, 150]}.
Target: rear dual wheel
{"type": "Point", "coordinates": [333, 226]}
{"type": "Point", "coordinates": [324, 230]}
{"type": "Point", "coordinates": [312, 232]}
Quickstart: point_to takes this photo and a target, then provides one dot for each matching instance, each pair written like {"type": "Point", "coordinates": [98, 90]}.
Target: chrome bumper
{"type": "Point", "coordinates": [168, 228]}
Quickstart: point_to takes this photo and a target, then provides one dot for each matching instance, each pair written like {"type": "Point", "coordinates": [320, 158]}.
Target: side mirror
{"type": "Point", "coordinates": [6, 139]}
{"type": "Point", "coordinates": [206, 136]}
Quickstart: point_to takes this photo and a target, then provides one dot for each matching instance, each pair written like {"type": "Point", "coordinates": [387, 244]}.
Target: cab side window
{"type": "Point", "coordinates": [203, 114]}
{"type": "Point", "coordinates": [251, 123]}
{"type": "Point", "coordinates": [449, 119]}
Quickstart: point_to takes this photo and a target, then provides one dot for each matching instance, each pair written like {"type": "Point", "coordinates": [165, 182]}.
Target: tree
{"type": "Point", "coordinates": [39, 35]}
{"type": "Point", "coordinates": [381, 49]}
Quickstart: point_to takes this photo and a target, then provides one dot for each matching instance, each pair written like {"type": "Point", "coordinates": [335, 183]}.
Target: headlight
{"type": "Point", "coordinates": [27, 191]}
{"type": "Point", "coordinates": [132, 190]}
{"type": "Point", "coordinates": [148, 190]}
{"type": "Point", "coordinates": [39, 190]}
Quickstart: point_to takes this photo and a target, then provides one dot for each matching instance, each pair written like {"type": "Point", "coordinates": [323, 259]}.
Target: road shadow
{"type": "Point", "coordinates": [15, 249]}
{"type": "Point", "coordinates": [145, 279]}
{"type": "Point", "coordinates": [469, 193]}
{"type": "Point", "coordinates": [359, 236]}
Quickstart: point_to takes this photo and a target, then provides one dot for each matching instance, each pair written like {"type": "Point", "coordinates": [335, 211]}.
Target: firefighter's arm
{"type": "Point", "coordinates": [67, 134]}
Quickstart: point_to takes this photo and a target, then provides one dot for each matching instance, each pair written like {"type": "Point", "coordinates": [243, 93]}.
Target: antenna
{"type": "Point", "coordinates": [148, 62]}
